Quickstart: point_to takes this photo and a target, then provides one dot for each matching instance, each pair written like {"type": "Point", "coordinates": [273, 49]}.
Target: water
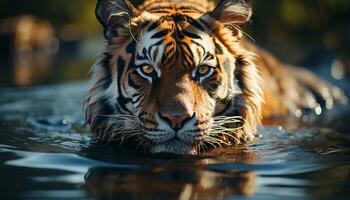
{"type": "Point", "coordinates": [46, 152]}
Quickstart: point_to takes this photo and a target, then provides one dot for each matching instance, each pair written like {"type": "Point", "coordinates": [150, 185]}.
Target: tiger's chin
{"type": "Point", "coordinates": [175, 146]}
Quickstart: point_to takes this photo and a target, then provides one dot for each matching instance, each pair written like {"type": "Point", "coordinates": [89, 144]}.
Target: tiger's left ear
{"type": "Point", "coordinates": [234, 12]}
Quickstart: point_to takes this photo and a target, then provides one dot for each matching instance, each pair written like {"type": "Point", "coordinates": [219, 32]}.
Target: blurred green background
{"type": "Point", "coordinates": [288, 28]}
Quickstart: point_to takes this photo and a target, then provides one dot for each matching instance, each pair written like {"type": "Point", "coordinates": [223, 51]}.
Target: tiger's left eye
{"type": "Point", "coordinates": [202, 70]}
{"type": "Point", "coordinates": [147, 69]}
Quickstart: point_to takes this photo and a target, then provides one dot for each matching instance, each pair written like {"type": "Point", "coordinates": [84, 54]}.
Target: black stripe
{"type": "Point", "coordinates": [238, 72]}
{"type": "Point", "coordinates": [187, 59]}
{"type": "Point", "coordinates": [167, 56]}
{"type": "Point", "coordinates": [199, 45]}
{"type": "Point", "coordinates": [105, 64]}
{"type": "Point", "coordinates": [141, 57]}
{"type": "Point", "coordinates": [195, 24]}
{"type": "Point", "coordinates": [142, 114]}
{"type": "Point", "coordinates": [206, 24]}
{"type": "Point", "coordinates": [190, 8]}
{"type": "Point", "coordinates": [186, 62]}
{"type": "Point", "coordinates": [153, 26]}
{"type": "Point", "coordinates": [155, 54]}
{"type": "Point", "coordinates": [161, 11]}
{"type": "Point", "coordinates": [143, 100]}
{"type": "Point", "coordinates": [178, 34]}
{"type": "Point", "coordinates": [143, 25]}
{"type": "Point", "coordinates": [192, 35]}
{"type": "Point", "coordinates": [159, 8]}
{"type": "Point", "coordinates": [122, 101]}
{"type": "Point", "coordinates": [133, 84]}
{"type": "Point", "coordinates": [138, 97]}
{"type": "Point", "coordinates": [178, 17]}
{"type": "Point", "coordinates": [106, 108]}
{"type": "Point", "coordinates": [153, 45]}
{"type": "Point", "coordinates": [209, 56]}
{"type": "Point", "coordinates": [131, 48]}
{"type": "Point", "coordinates": [160, 34]}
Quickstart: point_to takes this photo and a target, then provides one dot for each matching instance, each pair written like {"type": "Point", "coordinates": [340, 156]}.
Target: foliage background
{"type": "Point", "coordinates": [288, 28]}
{"type": "Point", "coordinates": [299, 19]}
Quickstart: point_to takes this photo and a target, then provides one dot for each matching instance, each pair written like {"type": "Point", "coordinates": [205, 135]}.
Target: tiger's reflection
{"type": "Point", "coordinates": [174, 179]}
{"type": "Point", "coordinates": [105, 183]}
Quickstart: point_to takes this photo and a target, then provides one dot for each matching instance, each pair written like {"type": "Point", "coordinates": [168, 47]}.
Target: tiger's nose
{"type": "Point", "coordinates": [176, 121]}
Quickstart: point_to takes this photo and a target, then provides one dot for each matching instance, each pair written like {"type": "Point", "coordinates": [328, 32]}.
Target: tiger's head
{"type": "Point", "coordinates": [174, 76]}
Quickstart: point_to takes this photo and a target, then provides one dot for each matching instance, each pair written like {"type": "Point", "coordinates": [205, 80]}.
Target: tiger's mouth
{"type": "Point", "coordinates": [223, 131]}
{"type": "Point", "coordinates": [175, 146]}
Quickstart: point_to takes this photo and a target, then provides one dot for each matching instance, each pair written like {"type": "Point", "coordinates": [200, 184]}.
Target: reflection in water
{"type": "Point", "coordinates": [169, 177]}
{"type": "Point", "coordinates": [168, 183]}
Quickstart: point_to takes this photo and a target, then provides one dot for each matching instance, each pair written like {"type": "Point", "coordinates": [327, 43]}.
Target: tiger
{"type": "Point", "coordinates": [181, 77]}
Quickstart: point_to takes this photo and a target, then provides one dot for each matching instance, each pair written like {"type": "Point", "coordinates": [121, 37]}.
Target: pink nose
{"type": "Point", "coordinates": [176, 121]}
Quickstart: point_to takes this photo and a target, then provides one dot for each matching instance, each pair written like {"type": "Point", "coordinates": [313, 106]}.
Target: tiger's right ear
{"type": "Point", "coordinates": [233, 12]}
{"type": "Point", "coordinates": [114, 14]}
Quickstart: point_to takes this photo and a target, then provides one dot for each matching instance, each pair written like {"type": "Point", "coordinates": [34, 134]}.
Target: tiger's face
{"type": "Point", "coordinates": [175, 82]}
{"type": "Point", "coordinates": [173, 78]}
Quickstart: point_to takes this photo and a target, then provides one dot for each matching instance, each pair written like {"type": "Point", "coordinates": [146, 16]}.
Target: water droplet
{"type": "Point", "coordinates": [281, 129]}
{"type": "Point", "coordinates": [329, 103]}
{"type": "Point", "coordinates": [325, 92]}
{"type": "Point", "coordinates": [337, 70]}
{"type": "Point", "coordinates": [298, 113]}
{"type": "Point", "coordinates": [318, 110]}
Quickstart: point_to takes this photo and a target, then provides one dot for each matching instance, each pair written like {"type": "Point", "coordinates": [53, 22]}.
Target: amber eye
{"type": "Point", "coordinates": [202, 70]}
{"type": "Point", "coordinates": [147, 69]}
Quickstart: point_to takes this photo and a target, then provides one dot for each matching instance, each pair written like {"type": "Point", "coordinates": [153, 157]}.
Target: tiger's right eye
{"type": "Point", "coordinates": [148, 72]}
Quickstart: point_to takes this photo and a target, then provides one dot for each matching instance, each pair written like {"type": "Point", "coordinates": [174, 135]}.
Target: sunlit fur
{"type": "Point", "coordinates": [223, 107]}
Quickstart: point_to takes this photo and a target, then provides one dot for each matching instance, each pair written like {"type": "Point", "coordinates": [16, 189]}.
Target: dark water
{"type": "Point", "coordinates": [47, 153]}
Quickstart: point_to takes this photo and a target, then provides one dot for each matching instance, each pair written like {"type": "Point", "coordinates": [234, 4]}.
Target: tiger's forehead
{"type": "Point", "coordinates": [164, 42]}
{"type": "Point", "coordinates": [168, 7]}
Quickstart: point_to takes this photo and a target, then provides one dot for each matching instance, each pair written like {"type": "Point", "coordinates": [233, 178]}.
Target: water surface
{"type": "Point", "coordinates": [46, 152]}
